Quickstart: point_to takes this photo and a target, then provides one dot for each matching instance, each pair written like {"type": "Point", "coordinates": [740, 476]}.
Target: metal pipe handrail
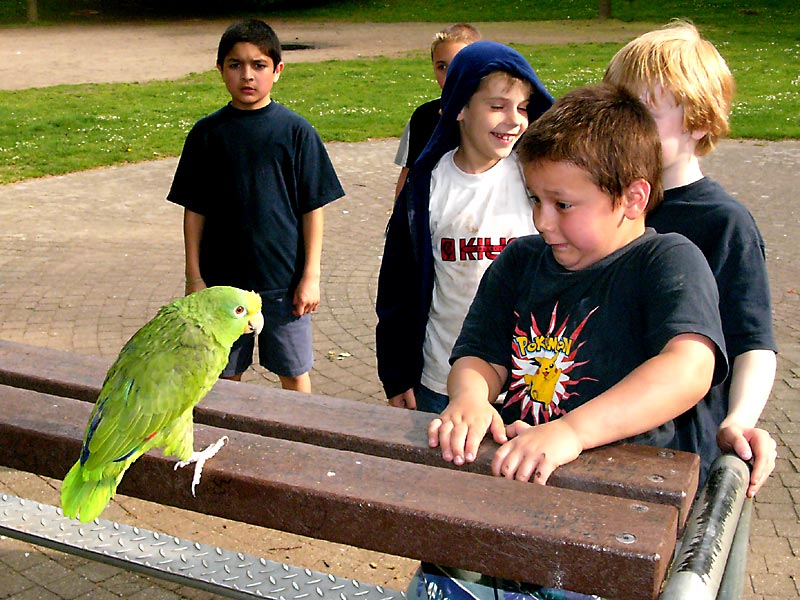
{"type": "Point", "coordinates": [700, 564]}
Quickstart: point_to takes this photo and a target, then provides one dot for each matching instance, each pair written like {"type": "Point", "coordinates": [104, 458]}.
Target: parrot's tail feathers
{"type": "Point", "coordinates": [86, 499]}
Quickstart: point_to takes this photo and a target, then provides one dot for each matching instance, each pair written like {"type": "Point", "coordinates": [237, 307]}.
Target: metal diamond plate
{"type": "Point", "coordinates": [189, 563]}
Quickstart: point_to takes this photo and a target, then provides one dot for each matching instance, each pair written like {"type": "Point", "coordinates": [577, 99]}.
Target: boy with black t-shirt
{"type": "Point", "coordinates": [253, 179]}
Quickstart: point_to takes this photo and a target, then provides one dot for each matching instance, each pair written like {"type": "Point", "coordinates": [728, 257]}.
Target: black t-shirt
{"type": "Point", "coordinates": [253, 175]}
{"type": "Point", "coordinates": [421, 125]}
{"type": "Point", "coordinates": [567, 336]}
{"type": "Point", "coordinates": [728, 237]}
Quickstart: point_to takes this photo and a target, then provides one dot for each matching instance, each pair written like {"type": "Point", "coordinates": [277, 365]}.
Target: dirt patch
{"type": "Point", "coordinates": [126, 52]}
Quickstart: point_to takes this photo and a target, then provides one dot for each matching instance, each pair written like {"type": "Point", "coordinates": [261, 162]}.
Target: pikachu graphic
{"type": "Point", "coordinates": [541, 385]}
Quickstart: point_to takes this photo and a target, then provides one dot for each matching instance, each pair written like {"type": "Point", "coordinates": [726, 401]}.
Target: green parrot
{"type": "Point", "coordinates": [149, 392]}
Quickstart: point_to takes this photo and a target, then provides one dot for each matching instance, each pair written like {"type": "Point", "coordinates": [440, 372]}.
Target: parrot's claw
{"type": "Point", "coordinates": [200, 458]}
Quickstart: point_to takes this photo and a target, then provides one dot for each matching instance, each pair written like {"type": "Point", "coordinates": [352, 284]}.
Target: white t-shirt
{"type": "Point", "coordinates": [401, 158]}
{"type": "Point", "coordinates": [472, 218]}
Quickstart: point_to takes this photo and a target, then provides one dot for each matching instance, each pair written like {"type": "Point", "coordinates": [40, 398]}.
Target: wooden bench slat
{"type": "Point", "coordinates": [585, 542]}
{"type": "Point", "coordinates": [650, 474]}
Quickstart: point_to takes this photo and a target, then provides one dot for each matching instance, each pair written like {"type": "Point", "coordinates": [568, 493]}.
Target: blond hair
{"type": "Point", "coordinates": [460, 32]}
{"type": "Point", "coordinates": [678, 60]}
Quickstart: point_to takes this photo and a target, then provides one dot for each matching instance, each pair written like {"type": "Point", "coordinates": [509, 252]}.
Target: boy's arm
{"type": "Point", "coordinates": [401, 181]}
{"type": "Point", "coordinates": [401, 159]}
{"type": "Point", "coordinates": [654, 393]}
{"type": "Point", "coordinates": [751, 382]}
{"type": "Point", "coordinates": [469, 414]}
{"type": "Point", "coordinates": [193, 224]}
{"type": "Point", "coordinates": [306, 296]}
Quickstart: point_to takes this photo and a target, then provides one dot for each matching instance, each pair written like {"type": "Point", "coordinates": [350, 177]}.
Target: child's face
{"type": "Point", "coordinates": [442, 57]}
{"type": "Point", "coordinates": [249, 75]}
{"type": "Point", "coordinates": [677, 143]}
{"type": "Point", "coordinates": [491, 123]}
{"type": "Point", "coordinates": [576, 218]}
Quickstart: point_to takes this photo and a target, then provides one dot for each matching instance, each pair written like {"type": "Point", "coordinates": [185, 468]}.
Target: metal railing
{"type": "Point", "coordinates": [710, 562]}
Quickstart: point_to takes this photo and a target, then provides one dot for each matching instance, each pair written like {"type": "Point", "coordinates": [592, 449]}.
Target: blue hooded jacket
{"type": "Point", "coordinates": [405, 283]}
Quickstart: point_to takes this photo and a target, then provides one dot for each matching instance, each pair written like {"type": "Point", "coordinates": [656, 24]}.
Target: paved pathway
{"type": "Point", "coordinates": [85, 259]}
{"type": "Point", "coordinates": [167, 50]}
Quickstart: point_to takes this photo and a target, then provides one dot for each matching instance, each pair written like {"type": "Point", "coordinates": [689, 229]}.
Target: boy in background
{"type": "Point", "coordinates": [463, 202]}
{"type": "Point", "coordinates": [446, 44]}
{"type": "Point", "coordinates": [253, 179]}
{"type": "Point", "coordinates": [688, 88]}
{"type": "Point", "coordinates": [598, 329]}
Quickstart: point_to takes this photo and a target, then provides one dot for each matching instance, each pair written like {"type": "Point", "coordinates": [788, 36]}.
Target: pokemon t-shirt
{"type": "Point", "coordinates": [472, 218]}
{"type": "Point", "coordinates": [567, 336]}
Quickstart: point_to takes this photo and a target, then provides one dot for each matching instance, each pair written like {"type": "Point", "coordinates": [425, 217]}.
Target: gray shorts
{"type": "Point", "coordinates": [284, 344]}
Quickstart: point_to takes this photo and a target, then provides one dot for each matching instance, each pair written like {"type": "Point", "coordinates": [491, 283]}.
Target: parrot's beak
{"type": "Point", "coordinates": [255, 323]}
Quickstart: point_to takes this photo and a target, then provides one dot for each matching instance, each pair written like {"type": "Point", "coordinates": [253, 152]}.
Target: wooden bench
{"type": "Point", "coordinates": [363, 475]}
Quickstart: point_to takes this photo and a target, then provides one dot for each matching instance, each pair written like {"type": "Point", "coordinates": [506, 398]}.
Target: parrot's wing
{"type": "Point", "coordinates": [160, 374]}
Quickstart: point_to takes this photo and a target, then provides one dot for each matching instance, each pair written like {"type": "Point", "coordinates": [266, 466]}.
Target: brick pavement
{"type": "Point", "coordinates": [85, 259]}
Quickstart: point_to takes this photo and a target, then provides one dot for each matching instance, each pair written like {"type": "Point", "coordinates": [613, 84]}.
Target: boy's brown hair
{"type": "Point", "coordinates": [460, 32]}
{"type": "Point", "coordinates": [251, 31]}
{"type": "Point", "coordinates": [676, 58]}
{"type": "Point", "coordinates": [604, 130]}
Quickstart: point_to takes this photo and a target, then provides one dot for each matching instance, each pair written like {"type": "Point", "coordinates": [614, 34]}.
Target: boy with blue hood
{"type": "Point", "coordinates": [463, 202]}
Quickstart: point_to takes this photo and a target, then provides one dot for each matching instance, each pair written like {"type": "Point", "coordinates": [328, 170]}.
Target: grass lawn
{"type": "Point", "coordinates": [67, 128]}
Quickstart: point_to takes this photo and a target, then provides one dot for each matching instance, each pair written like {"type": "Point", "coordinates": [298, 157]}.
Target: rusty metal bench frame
{"type": "Point", "coordinates": [640, 495]}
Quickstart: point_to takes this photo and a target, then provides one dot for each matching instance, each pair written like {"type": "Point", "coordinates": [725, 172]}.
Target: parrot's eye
{"type": "Point", "coordinates": [240, 310]}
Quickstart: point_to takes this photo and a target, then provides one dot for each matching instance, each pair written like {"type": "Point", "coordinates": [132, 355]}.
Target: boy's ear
{"type": "Point", "coordinates": [276, 74]}
{"type": "Point", "coordinates": [699, 134]}
{"type": "Point", "coordinates": [635, 198]}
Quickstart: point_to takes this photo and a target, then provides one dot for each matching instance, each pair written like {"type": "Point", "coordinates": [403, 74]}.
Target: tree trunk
{"type": "Point", "coordinates": [604, 9]}
{"type": "Point", "coordinates": [33, 11]}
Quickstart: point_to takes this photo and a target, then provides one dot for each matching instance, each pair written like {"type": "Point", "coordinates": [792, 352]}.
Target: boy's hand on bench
{"type": "Point", "coordinates": [536, 450]}
{"type": "Point", "coordinates": [461, 427]}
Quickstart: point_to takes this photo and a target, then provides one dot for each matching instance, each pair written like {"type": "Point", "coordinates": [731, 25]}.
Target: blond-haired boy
{"type": "Point", "coordinates": [688, 88]}
{"type": "Point", "coordinates": [445, 45]}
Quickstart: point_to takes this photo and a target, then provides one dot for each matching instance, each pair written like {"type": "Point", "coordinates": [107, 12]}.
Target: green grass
{"type": "Point", "coordinates": [67, 128]}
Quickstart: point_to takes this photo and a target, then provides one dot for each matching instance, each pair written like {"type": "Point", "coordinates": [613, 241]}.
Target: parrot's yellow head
{"type": "Point", "coordinates": [227, 312]}
{"type": "Point", "coordinates": [249, 311]}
